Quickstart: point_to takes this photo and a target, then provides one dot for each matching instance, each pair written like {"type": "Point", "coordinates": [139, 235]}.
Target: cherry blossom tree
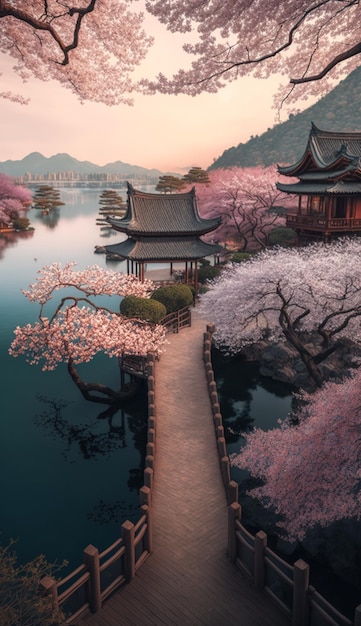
{"type": "Point", "coordinates": [290, 294]}
{"type": "Point", "coordinates": [308, 41]}
{"type": "Point", "coordinates": [75, 327]}
{"type": "Point", "coordinates": [14, 201]}
{"type": "Point", "coordinates": [247, 200]}
{"type": "Point", "coordinates": [310, 470]}
{"type": "Point", "coordinates": [90, 46]}
{"type": "Point", "coordinates": [94, 46]}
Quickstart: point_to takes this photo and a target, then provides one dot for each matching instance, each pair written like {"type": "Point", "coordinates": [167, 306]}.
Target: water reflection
{"type": "Point", "coordinates": [50, 219]}
{"type": "Point", "coordinates": [84, 436]}
{"type": "Point", "coordinates": [11, 239]}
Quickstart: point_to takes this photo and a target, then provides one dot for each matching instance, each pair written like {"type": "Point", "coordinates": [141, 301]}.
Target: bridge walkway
{"type": "Point", "coordinates": [188, 580]}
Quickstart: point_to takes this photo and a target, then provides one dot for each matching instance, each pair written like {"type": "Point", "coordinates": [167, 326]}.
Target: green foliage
{"type": "Point", "coordinates": [286, 142]}
{"type": "Point", "coordinates": [197, 175]}
{"type": "Point", "coordinates": [21, 602]}
{"type": "Point", "coordinates": [282, 236]}
{"type": "Point", "coordinates": [21, 223]}
{"type": "Point", "coordinates": [169, 183]}
{"type": "Point", "coordinates": [143, 308]}
{"type": "Point", "coordinates": [47, 198]}
{"type": "Point", "coordinates": [174, 297]}
{"type": "Point", "coordinates": [208, 272]}
{"type": "Point", "coordinates": [239, 257]}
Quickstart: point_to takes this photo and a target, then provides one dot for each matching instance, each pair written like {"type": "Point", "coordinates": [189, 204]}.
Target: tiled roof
{"type": "Point", "coordinates": [161, 249]}
{"type": "Point", "coordinates": [326, 150]}
{"type": "Point", "coordinates": [166, 214]}
{"type": "Point", "coordinates": [321, 188]}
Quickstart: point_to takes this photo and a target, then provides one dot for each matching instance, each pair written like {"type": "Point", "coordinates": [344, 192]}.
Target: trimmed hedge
{"type": "Point", "coordinates": [208, 272]}
{"type": "Point", "coordinates": [143, 308]}
{"type": "Point", "coordinates": [173, 297]}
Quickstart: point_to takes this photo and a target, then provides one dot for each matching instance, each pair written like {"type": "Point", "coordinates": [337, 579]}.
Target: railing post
{"type": "Point", "coordinates": [148, 477]}
{"type": "Point", "coordinates": [357, 619]}
{"type": "Point", "coordinates": [91, 560]}
{"type": "Point", "coordinates": [49, 587]}
{"type": "Point", "coordinates": [222, 448]}
{"type": "Point", "coordinates": [225, 470]}
{"type": "Point", "coordinates": [234, 513]}
{"type": "Point", "coordinates": [151, 435]}
{"type": "Point", "coordinates": [301, 576]}
{"type": "Point", "coordinates": [232, 490]}
{"type": "Point", "coordinates": [148, 537]}
{"type": "Point", "coordinates": [260, 542]}
{"type": "Point", "coordinates": [128, 535]}
{"type": "Point", "coordinates": [145, 496]}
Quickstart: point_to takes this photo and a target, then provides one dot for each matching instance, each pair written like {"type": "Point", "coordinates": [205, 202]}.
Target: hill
{"type": "Point", "coordinates": [35, 163]}
{"type": "Point", "coordinates": [285, 143]}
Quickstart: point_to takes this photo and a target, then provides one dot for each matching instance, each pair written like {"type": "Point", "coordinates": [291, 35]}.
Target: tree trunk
{"type": "Point", "coordinates": [305, 355]}
{"type": "Point", "coordinates": [96, 392]}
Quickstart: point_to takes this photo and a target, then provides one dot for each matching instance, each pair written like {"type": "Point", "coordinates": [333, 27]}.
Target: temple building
{"type": "Point", "coordinates": [328, 186]}
{"type": "Point", "coordinates": [163, 228]}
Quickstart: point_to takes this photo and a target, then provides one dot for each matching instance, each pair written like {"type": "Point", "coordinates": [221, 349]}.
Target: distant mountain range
{"type": "Point", "coordinates": [339, 110]}
{"type": "Point", "coordinates": [35, 163]}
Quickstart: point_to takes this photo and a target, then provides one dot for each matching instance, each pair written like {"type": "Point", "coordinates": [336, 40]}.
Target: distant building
{"type": "Point", "coordinates": [163, 228]}
{"type": "Point", "coordinates": [328, 186]}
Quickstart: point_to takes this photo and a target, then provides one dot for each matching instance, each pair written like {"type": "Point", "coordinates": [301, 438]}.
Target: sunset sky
{"type": "Point", "coordinates": [170, 133]}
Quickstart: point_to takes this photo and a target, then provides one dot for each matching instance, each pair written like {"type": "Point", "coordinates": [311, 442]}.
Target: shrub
{"type": "Point", "coordinates": [239, 257]}
{"type": "Point", "coordinates": [21, 223]}
{"type": "Point", "coordinates": [174, 297]}
{"type": "Point", "coordinates": [282, 236]}
{"type": "Point", "coordinates": [208, 272]}
{"type": "Point", "coordinates": [143, 308]}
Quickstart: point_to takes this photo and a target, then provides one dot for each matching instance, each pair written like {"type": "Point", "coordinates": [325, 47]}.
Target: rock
{"type": "Point", "coordinates": [280, 361]}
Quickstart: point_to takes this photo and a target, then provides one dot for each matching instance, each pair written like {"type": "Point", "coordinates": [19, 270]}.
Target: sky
{"type": "Point", "coordinates": [169, 133]}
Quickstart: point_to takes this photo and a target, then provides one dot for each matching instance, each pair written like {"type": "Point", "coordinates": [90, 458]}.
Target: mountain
{"type": "Point", "coordinates": [36, 163]}
{"type": "Point", "coordinates": [339, 110]}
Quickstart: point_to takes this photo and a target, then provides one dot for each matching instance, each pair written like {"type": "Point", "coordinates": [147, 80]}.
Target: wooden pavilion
{"type": "Point", "coordinates": [163, 228]}
{"type": "Point", "coordinates": [328, 186]}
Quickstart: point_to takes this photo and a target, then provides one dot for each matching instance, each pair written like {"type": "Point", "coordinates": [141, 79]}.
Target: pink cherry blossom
{"type": "Point", "coordinates": [281, 294]}
{"type": "Point", "coordinates": [78, 325]}
{"type": "Point", "coordinates": [311, 471]}
{"type": "Point", "coordinates": [245, 198]}
{"type": "Point", "coordinates": [92, 47]}
{"type": "Point", "coordinates": [14, 200]}
{"type": "Point", "coordinates": [311, 43]}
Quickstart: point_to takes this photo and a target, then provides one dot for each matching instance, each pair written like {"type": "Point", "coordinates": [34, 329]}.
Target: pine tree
{"type": "Point", "coordinates": [47, 198]}
{"type": "Point", "coordinates": [169, 183]}
{"type": "Point", "coordinates": [196, 175]}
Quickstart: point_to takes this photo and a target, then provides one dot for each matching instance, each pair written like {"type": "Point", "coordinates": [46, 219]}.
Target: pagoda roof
{"type": "Point", "coordinates": [328, 152]}
{"type": "Point", "coordinates": [162, 214]}
{"type": "Point", "coordinates": [338, 187]}
{"type": "Point", "coordinates": [153, 249]}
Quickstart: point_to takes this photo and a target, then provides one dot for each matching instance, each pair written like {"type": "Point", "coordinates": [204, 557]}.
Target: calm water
{"type": "Point", "coordinates": [67, 477]}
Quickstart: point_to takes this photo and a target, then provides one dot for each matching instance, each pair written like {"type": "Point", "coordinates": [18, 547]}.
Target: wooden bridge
{"type": "Point", "coordinates": [188, 579]}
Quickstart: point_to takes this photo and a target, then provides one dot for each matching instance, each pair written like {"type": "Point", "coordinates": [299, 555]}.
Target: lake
{"type": "Point", "coordinates": [67, 478]}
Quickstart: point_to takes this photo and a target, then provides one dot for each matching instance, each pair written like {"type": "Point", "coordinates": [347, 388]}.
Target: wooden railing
{"type": "Point", "coordinates": [174, 322]}
{"type": "Point", "coordinates": [287, 585]}
{"type": "Point", "coordinates": [319, 222]}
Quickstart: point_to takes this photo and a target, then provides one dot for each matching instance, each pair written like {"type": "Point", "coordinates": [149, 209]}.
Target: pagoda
{"type": "Point", "coordinates": [163, 228]}
{"type": "Point", "coordinates": [328, 186]}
